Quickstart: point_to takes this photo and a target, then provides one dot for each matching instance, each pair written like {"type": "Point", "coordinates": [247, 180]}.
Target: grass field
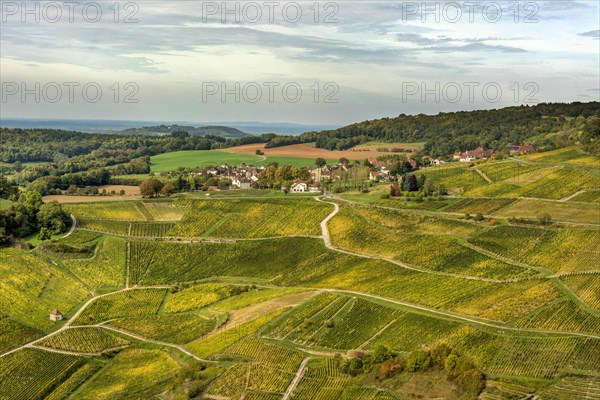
{"type": "Point", "coordinates": [198, 158]}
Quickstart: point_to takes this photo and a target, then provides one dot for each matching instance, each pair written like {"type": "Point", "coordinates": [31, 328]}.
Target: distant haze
{"type": "Point", "coordinates": [112, 126]}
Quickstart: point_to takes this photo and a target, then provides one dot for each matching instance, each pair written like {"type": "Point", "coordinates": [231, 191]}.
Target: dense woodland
{"type": "Point", "coordinates": [222, 131]}
{"type": "Point", "coordinates": [545, 125]}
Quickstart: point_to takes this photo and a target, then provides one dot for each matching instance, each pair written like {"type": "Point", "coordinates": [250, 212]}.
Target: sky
{"type": "Point", "coordinates": [307, 62]}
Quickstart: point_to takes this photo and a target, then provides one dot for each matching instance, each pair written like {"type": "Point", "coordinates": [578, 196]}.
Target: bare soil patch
{"type": "Point", "coordinates": [303, 151]}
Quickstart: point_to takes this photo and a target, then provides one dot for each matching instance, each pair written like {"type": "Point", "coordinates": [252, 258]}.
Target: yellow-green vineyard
{"type": "Point", "coordinates": [356, 296]}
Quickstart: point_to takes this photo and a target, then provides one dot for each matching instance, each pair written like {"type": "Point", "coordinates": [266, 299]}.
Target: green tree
{"type": "Point", "coordinates": [413, 184]}
{"type": "Point", "coordinates": [4, 239]}
{"type": "Point", "coordinates": [381, 354]}
{"type": "Point", "coordinates": [320, 162]}
{"type": "Point", "coordinates": [31, 200]}
{"type": "Point", "coordinates": [418, 361]}
{"type": "Point", "coordinates": [44, 234]}
{"type": "Point", "coordinates": [52, 217]}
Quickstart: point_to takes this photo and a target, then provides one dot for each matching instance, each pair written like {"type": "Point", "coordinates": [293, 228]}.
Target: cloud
{"type": "Point", "coordinates": [593, 34]}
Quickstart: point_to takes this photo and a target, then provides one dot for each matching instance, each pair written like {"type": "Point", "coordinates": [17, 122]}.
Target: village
{"type": "Point", "coordinates": [313, 179]}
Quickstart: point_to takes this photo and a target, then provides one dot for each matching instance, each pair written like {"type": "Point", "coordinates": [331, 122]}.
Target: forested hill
{"type": "Point", "coordinates": [222, 131]}
{"type": "Point", "coordinates": [545, 125]}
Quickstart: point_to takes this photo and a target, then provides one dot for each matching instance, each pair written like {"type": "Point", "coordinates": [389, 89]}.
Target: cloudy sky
{"type": "Point", "coordinates": [304, 62]}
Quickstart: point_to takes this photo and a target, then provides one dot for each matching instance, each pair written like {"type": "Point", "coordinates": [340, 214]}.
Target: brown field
{"type": "Point", "coordinates": [303, 151]}
{"type": "Point", "coordinates": [388, 146]}
{"type": "Point", "coordinates": [131, 193]}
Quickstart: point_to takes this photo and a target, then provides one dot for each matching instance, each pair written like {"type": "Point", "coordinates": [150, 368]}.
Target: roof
{"type": "Point", "coordinates": [55, 312]}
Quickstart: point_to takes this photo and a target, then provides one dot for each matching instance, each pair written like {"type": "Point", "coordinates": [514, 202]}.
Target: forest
{"type": "Point", "coordinates": [547, 125]}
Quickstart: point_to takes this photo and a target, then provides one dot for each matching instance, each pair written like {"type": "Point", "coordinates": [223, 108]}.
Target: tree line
{"type": "Point", "coordinates": [547, 125]}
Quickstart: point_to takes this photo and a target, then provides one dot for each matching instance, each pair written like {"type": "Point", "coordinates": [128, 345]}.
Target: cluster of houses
{"type": "Point", "coordinates": [246, 175]}
{"type": "Point", "coordinates": [482, 153]}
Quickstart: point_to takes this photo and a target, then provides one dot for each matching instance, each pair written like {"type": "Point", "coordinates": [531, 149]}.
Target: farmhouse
{"type": "Point", "coordinates": [518, 150]}
{"type": "Point", "coordinates": [299, 187]}
{"type": "Point", "coordinates": [56, 315]}
{"type": "Point", "coordinates": [478, 153]}
{"type": "Point", "coordinates": [241, 183]}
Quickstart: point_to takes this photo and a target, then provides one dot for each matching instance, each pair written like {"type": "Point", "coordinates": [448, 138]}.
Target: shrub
{"type": "Point", "coordinates": [418, 361]}
{"type": "Point", "coordinates": [381, 354]}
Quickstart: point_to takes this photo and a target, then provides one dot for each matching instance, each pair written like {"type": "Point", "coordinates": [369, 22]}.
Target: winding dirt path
{"type": "Point", "coordinates": [73, 226]}
{"type": "Point", "coordinates": [329, 245]}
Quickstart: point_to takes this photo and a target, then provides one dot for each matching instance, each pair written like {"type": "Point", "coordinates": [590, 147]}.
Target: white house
{"type": "Point", "coordinates": [299, 187]}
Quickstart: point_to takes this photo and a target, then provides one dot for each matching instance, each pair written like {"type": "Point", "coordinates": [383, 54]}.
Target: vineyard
{"type": "Point", "coordinates": [128, 303]}
{"type": "Point", "coordinates": [570, 155]}
{"type": "Point", "coordinates": [457, 179]}
{"type": "Point", "coordinates": [252, 219]}
{"type": "Point", "coordinates": [331, 321]}
{"type": "Point", "coordinates": [176, 328]}
{"type": "Point", "coordinates": [105, 268]}
{"type": "Point", "coordinates": [124, 228]}
{"type": "Point", "coordinates": [31, 374]}
{"type": "Point", "coordinates": [115, 211]}
{"type": "Point", "coordinates": [227, 336]}
{"type": "Point", "coordinates": [563, 315]}
{"type": "Point", "coordinates": [483, 206]}
{"type": "Point", "coordinates": [586, 287]}
{"type": "Point", "coordinates": [321, 380]}
{"type": "Point", "coordinates": [84, 340]}
{"type": "Point", "coordinates": [13, 334]}
{"type": "Point", "coordinates": [590, 196]}
{"type": "Point", "coordinates": [564, 250]}
{"type": "Point", "coordinates": [249, 286]}
{"type": "Point", "coordinates": [559, 184]}
{"type": "Point", "coordinates": [199, 296]}
{"type": "Point", "coordinates": [133, 373]}
{"type": "Point", "coordinates": [268, 368]}
{"type": "Point", "coordinates": [431, 252]}
{"type": "Point", "coordinates": [410, 331]}
{"type": "Point", "coordinates": [30, 288]}
{"type": "Point", "coordinates": [573, 388]}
